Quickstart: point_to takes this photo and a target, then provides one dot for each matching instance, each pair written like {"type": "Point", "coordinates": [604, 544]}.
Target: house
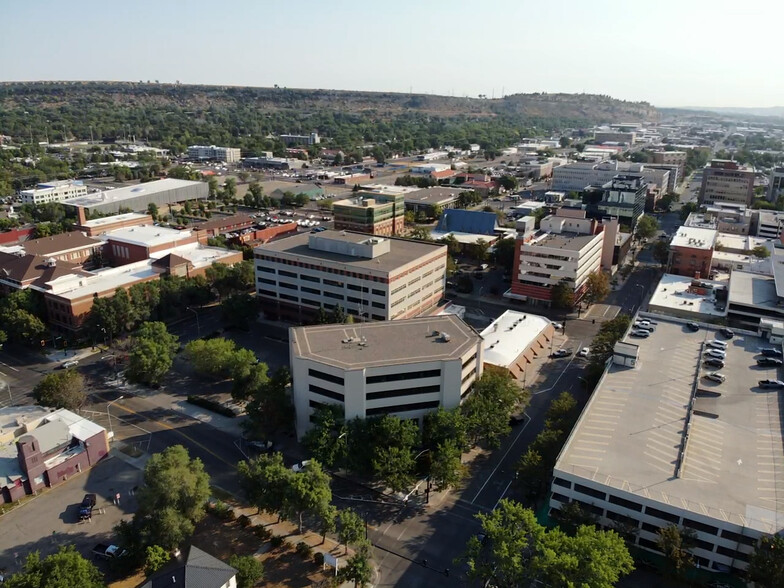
{"type": "Point", "coordinates": [195, 569]}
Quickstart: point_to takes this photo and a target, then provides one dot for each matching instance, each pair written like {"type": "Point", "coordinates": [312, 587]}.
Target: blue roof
{"type": "Point", "coordinates": [467, 221]}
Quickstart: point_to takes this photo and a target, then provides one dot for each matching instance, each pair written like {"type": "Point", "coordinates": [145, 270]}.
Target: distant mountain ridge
{"type": "Point", "coordinates": [764, 111]}
{"type": "Point", "coordinates": [576, 108]}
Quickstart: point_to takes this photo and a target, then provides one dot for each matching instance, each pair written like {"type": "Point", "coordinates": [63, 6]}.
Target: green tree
{"type": "Point", "coordinates": [22, 326]}
{"type": "Point", "coordinates": [152, 210]}
{"type": "Point", "coordinates": [308, 492]}
{"type": "Point", "coordinates": [357, 568]}
{"type": "Point", "coordinates": [230, 188]}
{"type": "Point", "coordinates": [171, 501]}
{"type": "Point", "coordinates": [395, 467]}
{"type": "Point", "coordinates": [598, 287]}
{"type": "Point", "coordinates": [572, 516]}
{"type": "Point", "coordinates": [508, 182]}
{"type": "Point", "coordinates": [686, 210]}
{"type": "Point", "coordinates": [249, 570]}
{"type": "Point", "coordinates": [760, 252]}
{"type": "Point", "coordinates": [646, 228]}
{"type": "Point", "coordinates": [446, 466]}
{"type": "Point", "coordinates": [504, 254]}
{"type": "Point", "coordinates": [480, 250]}
{"type": "Point", "coordinates": [488, 408]}
{"type": "Point", "coordinates": [152, 353]}
{"type": "Point", "coordinates": [265, 481]}
{"type": "Point", "coordinates": [338, 315]}
{"type": "Point", "coordinates": [675, 543]}
{"type": "Point", "coordinates": [351, 528]}
{"type": "Point", "coordinates": [562, 295]}
{"type": "Point", "coordinates": [325, 440]}
{"type": "Point", "coordinates": [421, 233]}
{"type": "Point", "coordinates": [269, 408]}
{"type": "Point", "coordinates": [219, 358]}
{"type": "Point", "coordinates": [212, 182]}
{"type": "Point", "coordinates": [445, 425]}
{"type": "Point", "coordinates": [156, 557]}
{"type": "Point", "coordinates": [518, 551]}
{"type": "Point", "coordinates": [63, 389]}
{"type": "Point", "coordinates": [661, 252]}
{"type": "Point", "coordinates": [766, 567]}
{"type": "Point", "coordinates": [532, 473]}
{"type": "Point", "coordinates": [64, 569]}
{"type": "Point", "coordinates": [239, 311]}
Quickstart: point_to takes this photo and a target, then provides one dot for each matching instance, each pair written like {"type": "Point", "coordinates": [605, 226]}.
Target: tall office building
{"type": "Point", "coordinates": [726, 181]}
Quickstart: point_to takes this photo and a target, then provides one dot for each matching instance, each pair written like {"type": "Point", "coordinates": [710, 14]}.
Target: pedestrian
{"type": "Point", "coordinates": [424, 562]}
{"type": "Point", "coordinates": [117, 499]}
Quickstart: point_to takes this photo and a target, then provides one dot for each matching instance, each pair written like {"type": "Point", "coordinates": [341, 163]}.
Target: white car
{"type": "Point", "coordinates": [300, 466]}
{"type": "Point", "coordinates": [640, 333]}
{"type": "Point", "coordinates": [717, 353]}
{"type": "Point", "coordinates": [70, 364]}
{"type": "Point", "coordinates": [557, 326]}
{"type": "Point", "coordinates": [584, 352]}
{"type": "Point", "coordinates": [716, 344]}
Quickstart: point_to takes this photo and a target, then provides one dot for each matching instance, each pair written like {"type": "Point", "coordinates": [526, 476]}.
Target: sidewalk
{"type": "Point", "coordinates": [61, 355]}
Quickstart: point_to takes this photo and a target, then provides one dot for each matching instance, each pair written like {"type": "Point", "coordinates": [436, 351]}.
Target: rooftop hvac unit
{"type": "Point", "coordinates": [445, 337]}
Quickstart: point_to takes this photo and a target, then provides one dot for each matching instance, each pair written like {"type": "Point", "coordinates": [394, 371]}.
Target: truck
{"type": "Point", "coordinates": [86, 507]}
{"type": "Point", "coordinates": [109, 551]}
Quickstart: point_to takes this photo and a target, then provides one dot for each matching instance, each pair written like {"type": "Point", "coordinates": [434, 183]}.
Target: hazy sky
{"type": "Point", "coordinates": [667, 52]}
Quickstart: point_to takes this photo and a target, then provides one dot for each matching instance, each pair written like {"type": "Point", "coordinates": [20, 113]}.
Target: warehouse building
{"type": "Point", "coordinates": [138, 197]}
{"type": "Point", "coordinates": [404, 368]}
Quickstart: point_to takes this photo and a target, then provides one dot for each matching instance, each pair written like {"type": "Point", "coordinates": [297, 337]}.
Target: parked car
{"type": "Point", "coordinates": [109, 551]}
{"type": "Point", "coordinates": [716, 344]}
{"type": "Point", "coordinates": [516, 419]}
{"type": "Point", "coordinates": [714, 362]}
{"type": "Point", "coordinates": [560, 353]}
{"type": "Point", "coordinates": [649, 328]}
{"type": "Point", "coordinates": [557, 326]}
{"type": "Point", "coordinates": [769, 362]}
{"type": "Point", "coordinates": [642, 333]}
{"type": "Point", "coordinates": [693, 326]}
{"type": "Point", "coordinates": [719, 353]}
{"type": "Point", "coordinates": [300, 465]}
{"type": "Point", "coordinates": [729, 333]}
{"type": "Point", "coordinates": [584, 352]}
{"type": "Point", "coordinates": [771, 352]}
{"type": "Point", "coordinates": [771, 384]}
{"type": "Point", "coordinates": [70, 364]}
{"type": "Point", "coordinates": [715, 377]}
{"type": "Point", "coordinates": [86, 507]}
{"type": "Point", "coordinates": [261, 446]}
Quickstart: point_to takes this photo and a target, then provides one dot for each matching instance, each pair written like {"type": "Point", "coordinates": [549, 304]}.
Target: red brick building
{"type": "Point", "coordinates": [221, 225]}
{"type": "Point", "coordinates": [691, 252]}
{"type": "Point", "coordinates": [41, 448]}
{"type": "Point", "coordinates": [73, 247]}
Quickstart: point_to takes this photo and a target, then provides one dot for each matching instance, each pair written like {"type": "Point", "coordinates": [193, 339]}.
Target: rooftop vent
{"type": "Point", "coordinates": [51, 262]}
{"type": "Point", "coordinates": [445, 338]}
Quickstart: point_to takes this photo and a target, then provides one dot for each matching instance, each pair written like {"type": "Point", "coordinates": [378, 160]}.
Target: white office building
{"type": "Point", "coordinates": [405, 368]}
{"type": "Point", "coordinates": [213, 153]}
{"type": "Point", "coordinates": [574, 177]}
{"type": "Point", "coordinates": [55, 191]}
{"type": "Point", "coordinates": [370, 277]}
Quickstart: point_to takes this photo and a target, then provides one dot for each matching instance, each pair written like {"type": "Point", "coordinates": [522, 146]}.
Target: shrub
{"type": "Point", "coordinates": [262, 532]}
{"type": "Point", "coordinates": [244, 521]}
{"type": "Point", "coordinates": [222, 510]}
{"type": "Point", "coordinates": [276, 541]}
{"type": "Point", "coordinates": [304, 550]}
{"type": "Point", "coordinates": [211, 405]}
{"type": "Point", "coordinates": [318, 557]}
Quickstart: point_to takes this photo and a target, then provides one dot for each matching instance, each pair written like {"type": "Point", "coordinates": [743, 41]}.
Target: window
{"type": "Point", "coordinates": [468, 361]}
{"type": "Point", "coordinates": [267, 281]}
{"type": "Point", "coordinates": [311, 290]}
{"type": "Point", "coordinates": [402, 408]}
{"type": "Point", "coordinates": [648, 544]}
{"type": "Point", "coordinates": [309, 302]}
{"type": "Point", "coordinates": [353, 299]}
{"type": "Point", "coordinates": [287, 274]}
{"type": "Point", "coordinates": [269, 270]}
{"type": "Point", "coordinates": [704, 545]}
{"type": "Point", "coordinates": [560, 498]}
{"type": "Point", "coordinates": [378, 317]}
{"type": "Point", "coordinates": [326, 377]}
{"type": "Point", "coordinates": [650, 528]}
{"type": "Point", "coordinates": [333, 283]}
{"type": "Point", "coordinates": [333, 295]}
{"type": "Point", "coordinates": [625, 503]}
{"type": "Point", "coordinates": [590, 492]}
{"type": "Point", "coordinates": [738, 538]}
{"type": "Point", "coordinates": [379, 292]}
{"type": "Point", "coordinates": [403, 392]}
{"type": "Point", "coordinates": [324, 392]}
{"type": "Point", "coordinates": [269, 293]}
{"type": "Point", "coordinates": [357, 288]}
{"type": "Point", "coordinates": [289, 297]}
{"type": "Point", "coordinates": [404, 376]}
{"type": "Point", "coordinates": [314, 404]}
{"type": "Point", "coordinates": [379, 305]}
{"type": "Point", "coordinates": [308, 278]}
{"type": "Point", "coordinates": [468, 376]}
{"type": "Point", "coordinates": [287, 285]}
{"type": "Point", "coordinates": [660, 514]}
{"type": "Point", "coordinates": [620, 518]}
{"type": "Point", "coordinates": [731, 553]}
{"type": "Point", "coordinates": [698, 526]}
{"type": "Point", "coordinates": [561, 482]}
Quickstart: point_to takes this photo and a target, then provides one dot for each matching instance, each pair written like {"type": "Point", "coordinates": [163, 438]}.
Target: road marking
{"type": "Point", "coordinates": [9, 366]}
{"type": "Point", "coordinates": [503, 494]}
{"type": "Point", "coordinates": [176, 430]}
{"type": "Point", "coordinates": [512, 444]}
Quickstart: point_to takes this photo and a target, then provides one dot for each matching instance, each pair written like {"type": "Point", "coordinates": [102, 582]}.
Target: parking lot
{"type": "Point", "coordinates": [51, 520]}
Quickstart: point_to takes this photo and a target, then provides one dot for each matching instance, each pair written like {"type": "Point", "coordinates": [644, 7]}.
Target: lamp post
{"type": "Point", "coordinates": [198, 326]}
{"type": "Point", "coordinates": [108, 414]}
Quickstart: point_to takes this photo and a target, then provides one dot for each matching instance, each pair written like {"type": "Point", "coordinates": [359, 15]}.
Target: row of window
{"type": "Point", "coordinates": [315, 291]}
{"type": "Point", "coordinates": [319, 269]}
{"type": "Point", "coordinates": [403, 392]}
{"type": "Point", "coordinates": [402, 408]}
{"type": "Point", "coordinates": [436, 373]}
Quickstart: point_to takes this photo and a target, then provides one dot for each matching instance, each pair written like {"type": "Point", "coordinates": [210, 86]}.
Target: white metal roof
{"type": "Point", "coordinates": [511, 334]}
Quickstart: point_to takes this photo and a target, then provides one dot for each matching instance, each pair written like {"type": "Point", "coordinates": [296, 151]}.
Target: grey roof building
{"type": "Point", "coordinates": [196, 570]}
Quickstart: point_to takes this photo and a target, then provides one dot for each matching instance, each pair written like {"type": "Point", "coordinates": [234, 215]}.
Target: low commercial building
{"type": "Point", "coordinates": [548, 259]}
{"type": "Point", "coordinates": [658, 444]}
{"type": "Point", "coordinates": [730, 219]}
{"type": "Point", "coordinates": [134, 244]}
{"type": "Point", "coordinates": [689, 298]}
{"type": "Point", "coordinates": [374, 214]}
{"type": "Point", "coordinates": [42, 447]}
{"type": "Point", "coordinates": [139, 196]}
{"type": "Point", "coordinates": [370, 277]}
{"type": "Point", "coordinates": [691, 252]}
{"type": "Point", "coordinates": [54, 191]}
{"type": "Point", "coordinates": [433, 170]}
{"type": "Point", "coordinates": [755, 297]}
{"type": "Point", "coordinates": [105, 224]}
{"type": "Point", "coordinates": [404, 368]}
{"type": "Point", "coordinates": [213, 153]}
{"type": "Point", "coordinates": [515, 339]}
{"type": "Point", "coordinates": [426, 198]}
{"type": "Point", "coordinates": [726, 181]}
{"type": "Point", "coordinates": [221, 225]}
{"type": "Point", "coordinates": [74, 247]}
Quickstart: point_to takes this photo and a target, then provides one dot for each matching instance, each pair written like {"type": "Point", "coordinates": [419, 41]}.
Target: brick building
{"type": "Point", "coordinates": [691, 252]}
{"type": "Point", "coordinates": [74, 247]}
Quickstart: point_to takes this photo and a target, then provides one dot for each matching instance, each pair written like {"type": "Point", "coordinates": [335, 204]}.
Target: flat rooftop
{"type": "Point", "coordinates": [678, 293]}
{"type": "Point", "coordinates": [753, 289]}
{"type": "Point", "coordinates": [401, 252]}
{"type": "Point", "coordinates": [511, 334]}
{"type": "Point", "coordinates": [569, 241]}
{"type": "Point", "coordinates": [630, 433]}
{"type": "Point", "coordinates": [128, 192]}
{"type": "Point", "coordinates": [147, 235]}
{"type": "Point", "coordinates": [694, 237]}
{"type": "Point", "coordinates": [117, 218]}
{"type": "Point", "coordinates": [432, 195]}
{"type": "Point", "coordinates": [385, 343]}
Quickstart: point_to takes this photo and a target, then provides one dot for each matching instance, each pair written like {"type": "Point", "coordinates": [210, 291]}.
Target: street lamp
{"type": "Point", "coordinates": [108, 414]}
{"type": "Point", "coordinates": [198, 327]}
